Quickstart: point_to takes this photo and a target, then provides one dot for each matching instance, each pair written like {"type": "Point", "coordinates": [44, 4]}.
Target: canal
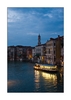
{"type": "Point", "coordinates": [21, 77]}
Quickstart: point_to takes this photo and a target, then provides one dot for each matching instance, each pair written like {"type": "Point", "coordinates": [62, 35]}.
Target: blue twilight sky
{"type": "Point", "coordinates": [25, 24]}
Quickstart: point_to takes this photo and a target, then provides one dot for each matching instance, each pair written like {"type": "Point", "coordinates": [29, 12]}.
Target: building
{"type": "Point", "coordinates": [39, 39]}
{"type": "Point", "coordinates": [11, 53]}
{"type": "Point", "coordinates": [29, 52]}
{"type": "Point", "coordinates": [33, 52]}
{"type": "Point", "coordinates": [59, 49]}
{"type": "Point", "coordinates": [39, 51]}
{"type": "Point", "coordinates": [51, 51]}
{"type": "Point", "coordinates": [54, 50]}
{"type": "Point", "coordinates": [19, 53]}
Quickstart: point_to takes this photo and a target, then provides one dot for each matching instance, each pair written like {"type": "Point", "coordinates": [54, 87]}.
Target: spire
{"type": "Point", "coordinates": [39, 39]}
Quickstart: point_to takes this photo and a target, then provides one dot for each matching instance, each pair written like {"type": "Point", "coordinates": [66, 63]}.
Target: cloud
{"type": "Point", "coordinates": [32, 33]}
{"type": "Point", "coordinates": [49, 15]}
{"type": "Point", "coordinates": [57, 13]}
{"type": "Point", "coordinates": [54, 33]}
{"type": "Point", "coordinates": [28, 23]}
{"type": "Point", "coordinates": [22, 16]}
{"type": "Point", "coordinates": [13, 16]}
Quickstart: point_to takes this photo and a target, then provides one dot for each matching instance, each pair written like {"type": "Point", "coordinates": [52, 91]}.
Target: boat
{"type": "Point", "coordinates": [46, 68]}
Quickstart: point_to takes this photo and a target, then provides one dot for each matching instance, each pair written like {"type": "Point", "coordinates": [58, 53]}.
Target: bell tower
{"type": "Point", "coordinates": [39, 39]}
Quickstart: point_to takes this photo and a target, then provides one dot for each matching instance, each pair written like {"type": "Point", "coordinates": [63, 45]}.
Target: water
{"type": "Point", "coordinates": [23, 78]}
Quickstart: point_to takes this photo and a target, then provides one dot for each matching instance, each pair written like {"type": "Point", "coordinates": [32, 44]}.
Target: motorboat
{"type": "Point", "coordinates": [46, 68]}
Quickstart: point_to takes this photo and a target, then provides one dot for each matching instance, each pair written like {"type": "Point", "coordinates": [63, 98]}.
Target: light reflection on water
{"type": "Point", "coordinates": [50, 77]}
{"type": "Point", "coordinates": [23, 78]}
{"type": "Point", "coordinates": [49, 80]}
{"type": "Point", "coordinates": [37, 81]}
{"type": "Point", "coordinates": [11, 83]}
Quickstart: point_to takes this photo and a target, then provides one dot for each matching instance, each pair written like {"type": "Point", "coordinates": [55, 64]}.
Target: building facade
{"type": "Point", "coordinates": [40, 51]}
{"type": "Point", "coordinates": [11, 53]}
{"type": "Point", "coordinates": [33, 52]}
{"type": "Point", "coordinates": [29, 53]}
{"type": "Point", "coordinates": [19, 53]}
{"type": "Point", "coordinates": [59, 49]}
{"type": "Point", "coordinates": [55, 50]}
{"type": "Point", "coordinates": [51, 51]}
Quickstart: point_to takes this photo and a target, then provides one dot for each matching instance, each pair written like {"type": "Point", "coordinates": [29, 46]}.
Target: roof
{"type": "Point", "coordinates": [59, 37]}
{"type": "Point", "coordinates": [11, 46]}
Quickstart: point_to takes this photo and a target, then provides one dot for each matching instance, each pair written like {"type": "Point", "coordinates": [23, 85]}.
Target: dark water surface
{"type": "Point", "coordinates": [23, 78]}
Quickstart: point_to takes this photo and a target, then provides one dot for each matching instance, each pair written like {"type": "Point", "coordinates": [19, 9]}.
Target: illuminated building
{"type": "Point", "coordinates": [19, 53]}
{"type": "Point", "coordinates": [39, 51]}
{"type": "Point", "coordinates": [29, 53]}
{"type": "Point", "coordinates": [54, 50]}
{"type": "Point", "coordinates": [50, 51]}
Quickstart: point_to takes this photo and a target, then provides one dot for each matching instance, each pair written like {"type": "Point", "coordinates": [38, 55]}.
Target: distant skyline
{"type": "Point", "coordinates": [25, 24]}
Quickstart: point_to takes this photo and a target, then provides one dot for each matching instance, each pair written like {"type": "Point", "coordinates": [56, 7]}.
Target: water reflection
{"type": "Point", "coordinates": [23, 78]}
{"type": "Point", "coordinates": [48, 79]}
{"type": "Point", "coordinates": [51, 78]}
{"type": "Point", "coordinates": [12, 83]}
{"type": "Point", "coordinates": [36, 79]}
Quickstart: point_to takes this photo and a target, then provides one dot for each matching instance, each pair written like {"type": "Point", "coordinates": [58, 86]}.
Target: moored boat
{"type": "Point", "coordinates": [46, 68]}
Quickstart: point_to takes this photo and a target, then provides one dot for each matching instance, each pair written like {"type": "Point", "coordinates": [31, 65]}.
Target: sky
{"type": "Point", "coordinates": [25, 24]}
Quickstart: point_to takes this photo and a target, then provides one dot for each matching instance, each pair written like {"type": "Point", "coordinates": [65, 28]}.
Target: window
{"type": "Point", "coordinates": [54, 44]}
{"type": "Point", "coordinates": [49, 51]}
{"type": "Point", "coordinates": [54, 58]}
{"type": "Point", "coordinates": [54, 51]}
{"type": "Point", "coordinates": [62, 44]}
